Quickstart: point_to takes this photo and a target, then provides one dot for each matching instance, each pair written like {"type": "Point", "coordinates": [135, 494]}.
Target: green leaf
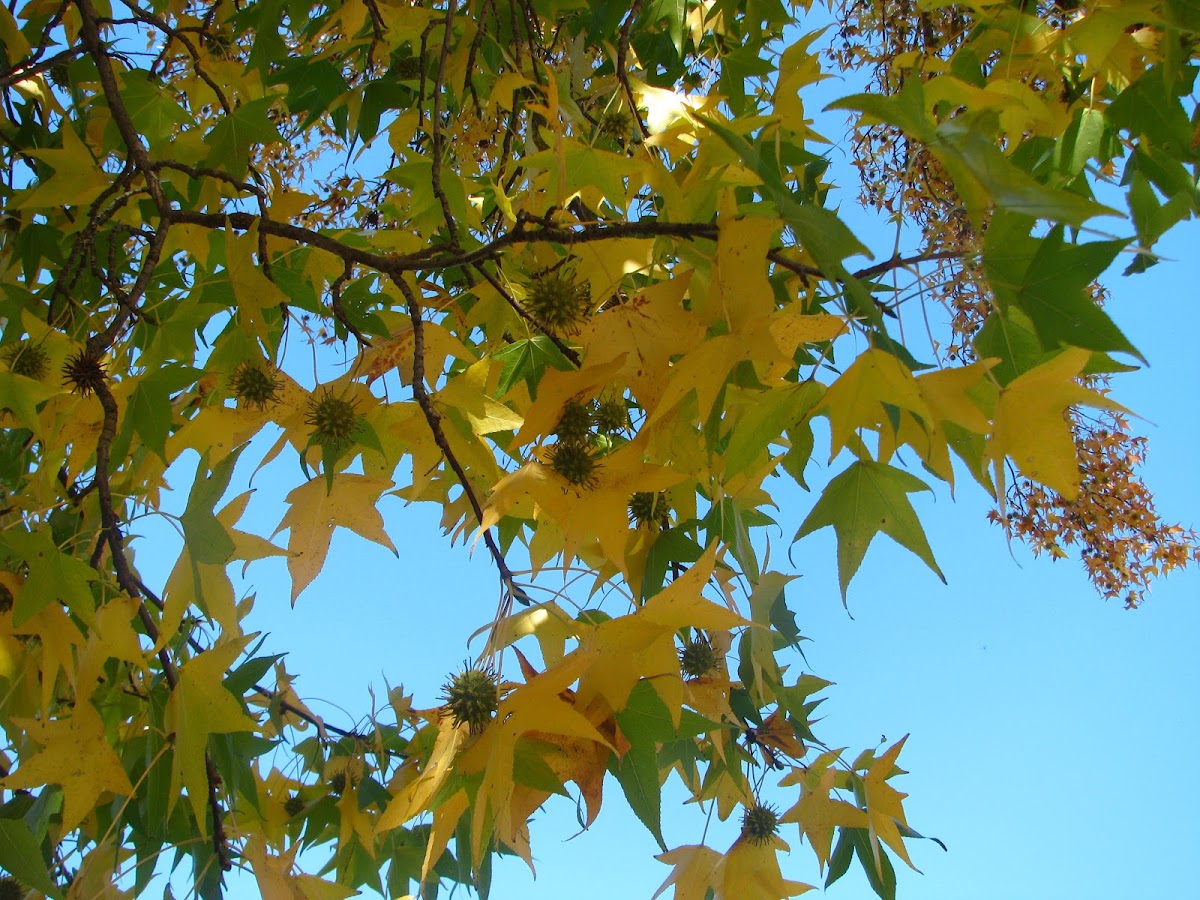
{"type": "Point", "coordinates": [23, 395]}
{"type": "Point", "coordinates": [637, 773]}
{"type": "Point", "coordinates": [646, 718]}
{"type": "Point", "coordinates": [866, 499]}
{"type": "Point", "coordinates": [527, 360]}
{"type": "Point", "coordinates": [984, 176]}
{"type": "Point", "coordinates": [1008, 335]}
{"type": "Point", "coordinates": [154, 113]}
{"type": "Point", "coordinates": [231, 139]}
{"type": "Point", "coordinates": [1050, 286]}
{"type": "Point", "coordinates": [21, 857]}
{"type": "Point", "coordinates": [1147, 108]}
{"type": "Point", "coordinates": [843, 854]}
{"type": "Point", "coordinates": [54, 576]}
{"type": "Point", "coordinates": [672, 546]}
{"type": "Point", "coordinates": [765, 422]}
{"type": "Point", "coordinates": [207, 540]}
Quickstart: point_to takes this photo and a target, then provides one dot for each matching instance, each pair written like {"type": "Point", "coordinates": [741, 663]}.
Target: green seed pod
{"type": "Point", "coordinates": [697, 658]}
{"type": "Point", "coordinates": [559, 304]}
{"type": "Point", "coordinates": [615, 124]}
{"type": "Point", "coordinates": [650, 510]}
{"type": "Point", "coordinates": [612, 415]}
{"type": "Point", "coordinates": [575, 424]}
{"type": "Point", "coordinates": [254, 385]}
{"type": "Point", "coordinates": [472, 698]}
{"type": "Point", "coordinates": [333, 420]}
{"type": "Point", "coordinates": [25, 358]}
{"type": "Point", "coordinates": [576, 463]}
{"type": "Point", "coordinates": [760, 823]}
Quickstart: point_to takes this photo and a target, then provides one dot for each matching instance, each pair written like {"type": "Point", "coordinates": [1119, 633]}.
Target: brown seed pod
{"type": "Point", "coordinates": [295, 803]}
{"type": "Point", "coordinates": [84, 372]}
{"type": "Point", "coordinates": [576, 463]}
{"type": "Point", "coordinates": [11, 889]}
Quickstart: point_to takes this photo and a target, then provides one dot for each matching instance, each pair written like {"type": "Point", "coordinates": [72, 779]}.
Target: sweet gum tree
{"type": "Point", "coordinates": [579, 259]}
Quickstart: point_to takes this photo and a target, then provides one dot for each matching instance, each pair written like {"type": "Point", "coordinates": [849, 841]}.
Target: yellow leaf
{"type": "Point", "coordinates": [277, 881]}
{"type": "Point", "coordinates": [642, 645]}
{"type": "Point", "coordinates": [750, 871]}
{"type": "Point", "coordinates": [538, 706]}
{"type": "Point", "coordinates": [645, 331]}
{"type": "Point", "coordinates": [856, 400]}
{"type": "Point", "coordinates": [884, 810]}
{"type": "Point", "coordinates": [693, 870]}
{"type": "Point", "coordinates": [111, 636]}
{"type": "Point", "coordinates": [599, 510]}
{"type": "Point", "coordinates": [816, 812]}
{"type": "Point", "coordinates": [556, 389]}
{"type": "Point", "coordinates": [313, 513]}
{"type": "Point", "coordinates": [1032, 426]}
{"type": "Point", "coordinates": [76, 181]}
{"type": "Point", "coordinates": [76, 754]}
{"type": "Point", "coordinates": [466, 394]}
{"type": "Point", "coordinates": [254, 291]}
{"type": "Point", "coordinates": [740, 291]}
{"type": "Point", "coordinates": [57, 634]}
{"type": "Point", "coordinates": [445, 821]}
{"type": "Point", "coordinates": [416, 796]}
{"type": "Point", "coordinates": [200, 706]}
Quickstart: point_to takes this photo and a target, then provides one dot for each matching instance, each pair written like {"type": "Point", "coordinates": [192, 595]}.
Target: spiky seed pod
{"type": "Point", "coordinates": [576, 463]}
{"type": "Point", "coordinates": [60, 76]}
{"type": "Point", "coordinates": [28, 359]}
{"type": "Point", "coordinates": [472, 698]}
{"type": "Point", "coordinates": [406, 68]}
{"type": "Point", "coordinates": [254, 385]}
{"type": "Point", "coordinates": [760, 823]}
{"type": "Point", "coordinates": [615, 124]}
{"type": "Point", "coordinates": [83, 372]}
{"type": "Point", "coordinates": [295, 803]}
{"type": "Point", "coordinates": [697, 658]}
{"type": "Point", "coordinates": [612, 415]}
{"type": "Point", "coordinates": [6, 598]}
{"type": "Point", "coordinates": [558, 303]}
{"type": "Point", "coordinates": [650, 510]}
{"type": "Point", "coordinates": [333, 420]}
{"type": "Point", "coordinates": [337, 782]}
{"type": "Point", "coordinates": [11, 889]}
{"type": "Point", "coordinates": [575, 424]}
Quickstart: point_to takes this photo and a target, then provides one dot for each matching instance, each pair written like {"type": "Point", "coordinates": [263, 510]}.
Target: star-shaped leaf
{"type": "Point", "coordinates": [1032, 426]}
{"type": "Point", "coordinates": [199, 706]}
{"type": "Point", "coordinates": [75, 754]}
{"type": "Point", "coordinates": [866, 499]}
{"type": "Point", "coordinates": [816, 812]}
{"type": "Point", "coordinates": [313, 513]}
